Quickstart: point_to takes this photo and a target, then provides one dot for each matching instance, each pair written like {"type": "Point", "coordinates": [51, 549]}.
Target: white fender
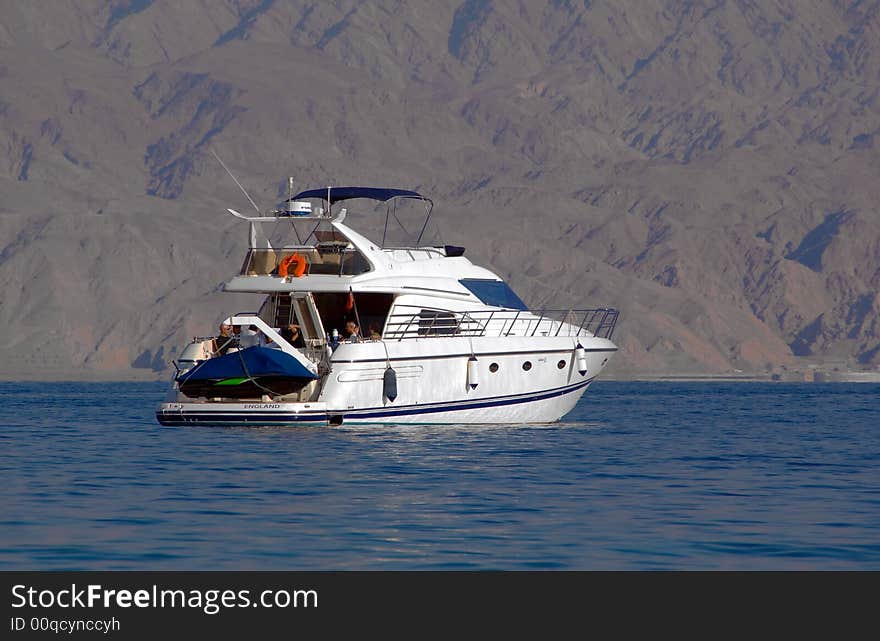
{"type": "Point", "coordinates": [473, 375]}
{"type": "Point", "coordinates": [580, 359]}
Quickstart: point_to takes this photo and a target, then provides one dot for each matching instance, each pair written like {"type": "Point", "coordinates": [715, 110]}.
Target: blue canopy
{"type": "Point", "coordinates": [381, 194]}
{"type": "Point", "coordinates": [248, 363]}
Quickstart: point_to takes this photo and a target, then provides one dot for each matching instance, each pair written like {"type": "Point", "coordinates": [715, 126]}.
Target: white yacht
{"type": "Point", "coordinates": [433, 337]}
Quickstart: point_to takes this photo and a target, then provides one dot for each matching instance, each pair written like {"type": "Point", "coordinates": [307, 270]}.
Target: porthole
{"type": "Point", "coordinates": [561, 364]}
{"type": "Point", "coordinates": [493, 367]}
{"type": "Point", "coordinates": [527, 365]}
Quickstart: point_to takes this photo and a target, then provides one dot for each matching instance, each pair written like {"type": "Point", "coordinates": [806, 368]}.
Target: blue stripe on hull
{"type": "Point", "coordinates": [236, 419]}
{"type": "Point", "coordinates": [278, 418]}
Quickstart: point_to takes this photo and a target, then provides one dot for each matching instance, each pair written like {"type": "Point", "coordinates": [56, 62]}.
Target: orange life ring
{"type": "Point", "coordinates": [299, 266]}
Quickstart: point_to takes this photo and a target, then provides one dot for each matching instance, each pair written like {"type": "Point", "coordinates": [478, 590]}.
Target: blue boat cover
{"type": "Point", "coordinates": [252, 362]}
{"type": "Point", "coordinates": [345, 193]}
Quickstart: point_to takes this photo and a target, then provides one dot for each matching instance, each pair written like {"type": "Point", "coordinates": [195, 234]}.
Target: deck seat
{"type": "Point", "coordinates": [262, 262]}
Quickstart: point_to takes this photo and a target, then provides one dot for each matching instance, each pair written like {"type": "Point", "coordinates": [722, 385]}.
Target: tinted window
{"type": "Point", "coordinates": [494, 292]}
{"type": "Point", "coordinates": [432, 323]}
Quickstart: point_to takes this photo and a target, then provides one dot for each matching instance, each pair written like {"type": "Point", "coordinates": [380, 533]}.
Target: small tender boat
{"type": "Point", "coordinates": [246, 373]}
{"type": "Point", "coordinates": [435, 338]}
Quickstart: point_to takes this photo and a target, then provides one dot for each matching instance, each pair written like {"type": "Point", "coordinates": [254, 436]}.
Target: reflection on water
{"type": "Point", "coordinates": [640, 475]}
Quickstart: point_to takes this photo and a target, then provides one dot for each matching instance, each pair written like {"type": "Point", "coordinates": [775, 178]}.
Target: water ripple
{"type": "Point", "coordinates": [639, 476]}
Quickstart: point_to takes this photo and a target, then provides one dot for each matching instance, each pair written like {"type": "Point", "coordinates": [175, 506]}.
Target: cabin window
{"type": "Point", "coordinates": [436, 323]}
{"type": "Point", "coordinates": [335, 308]}
{"type": "Point", "coordinates": [494, 292]}
{"type": "Point", "coordinates": [373, 311]}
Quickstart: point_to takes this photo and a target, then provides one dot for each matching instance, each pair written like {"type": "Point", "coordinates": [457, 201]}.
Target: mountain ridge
{"type": "Point", "coordinates": [707, 167]}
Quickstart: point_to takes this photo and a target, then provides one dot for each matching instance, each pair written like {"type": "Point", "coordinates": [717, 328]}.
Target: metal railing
{"type": "Point", "coordinates": [417, 253]}
{"type": "Point", "coordinates": [419, 322]}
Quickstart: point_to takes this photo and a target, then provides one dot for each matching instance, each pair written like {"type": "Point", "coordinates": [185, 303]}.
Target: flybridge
{"type": "Point", "coordinates": [326, 246]}
{"type": "Point", "coordinates": [297, 207]}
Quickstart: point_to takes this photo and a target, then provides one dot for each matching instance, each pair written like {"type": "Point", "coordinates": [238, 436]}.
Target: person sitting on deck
{"type": "Point", "coordinates": [224, 341]}
{"type": "Point", "coordinates": [293, 336]}
{"type": "Point", "coordinates": [374, 333]}
{"type": "Point", "coordinates": [352, 331]}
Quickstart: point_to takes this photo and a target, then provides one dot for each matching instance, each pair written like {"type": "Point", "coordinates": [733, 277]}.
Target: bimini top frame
{"type": "Point", "coordinates": [333, 195]}
{"type": "Point", "coordinates": [336, 194]}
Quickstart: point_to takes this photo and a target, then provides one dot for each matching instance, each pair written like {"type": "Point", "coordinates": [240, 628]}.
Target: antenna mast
{"type": "Point", "coordinates": [289, 191]}
{"type": "Point", "coordinates": [246, 195]}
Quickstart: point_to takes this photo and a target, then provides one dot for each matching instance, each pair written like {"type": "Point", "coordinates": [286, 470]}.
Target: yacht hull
{"type": "Point", "coordinates": [534, 407]}
{"type": "Point", "coordinates": [517, 381]}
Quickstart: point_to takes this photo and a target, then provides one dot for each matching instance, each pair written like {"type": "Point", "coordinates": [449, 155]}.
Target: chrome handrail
{"type": "Point", "coordinates": [410, 322]}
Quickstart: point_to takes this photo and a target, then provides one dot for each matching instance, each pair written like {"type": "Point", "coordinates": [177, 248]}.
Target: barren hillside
{"type": "Point", "coordinates": [710, 168]}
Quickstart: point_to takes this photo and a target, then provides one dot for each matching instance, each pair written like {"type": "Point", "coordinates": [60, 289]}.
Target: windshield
{"type": "Point", "coordinates": [494, 292]}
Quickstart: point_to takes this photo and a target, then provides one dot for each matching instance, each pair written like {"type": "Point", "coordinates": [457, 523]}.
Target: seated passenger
{"type": "Point", "coordinates": [293, 336]}
{"type": "Point", "coordinates": [352, 331]}
{"type": "Point", "coordinates": [224, 341]}
{"type": "Point", "coordinates": [374, 333]}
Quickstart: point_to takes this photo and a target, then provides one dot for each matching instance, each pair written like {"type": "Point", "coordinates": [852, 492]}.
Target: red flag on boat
{"type": "Point", "coordinates": [349, 305]}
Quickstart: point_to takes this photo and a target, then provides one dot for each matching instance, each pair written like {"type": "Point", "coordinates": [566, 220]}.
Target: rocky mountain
{"type": "Point", "coordinates": [709, 167]}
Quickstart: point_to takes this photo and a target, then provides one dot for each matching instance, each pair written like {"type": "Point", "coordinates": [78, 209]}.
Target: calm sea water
{"type": "Point", "coordinates": [640, 476]}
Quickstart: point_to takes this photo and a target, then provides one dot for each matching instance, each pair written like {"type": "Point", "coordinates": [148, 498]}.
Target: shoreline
{"type": "Point", "coordinates": [820, 377]}
{"type": "Point", "coordinates": [151, 377]}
